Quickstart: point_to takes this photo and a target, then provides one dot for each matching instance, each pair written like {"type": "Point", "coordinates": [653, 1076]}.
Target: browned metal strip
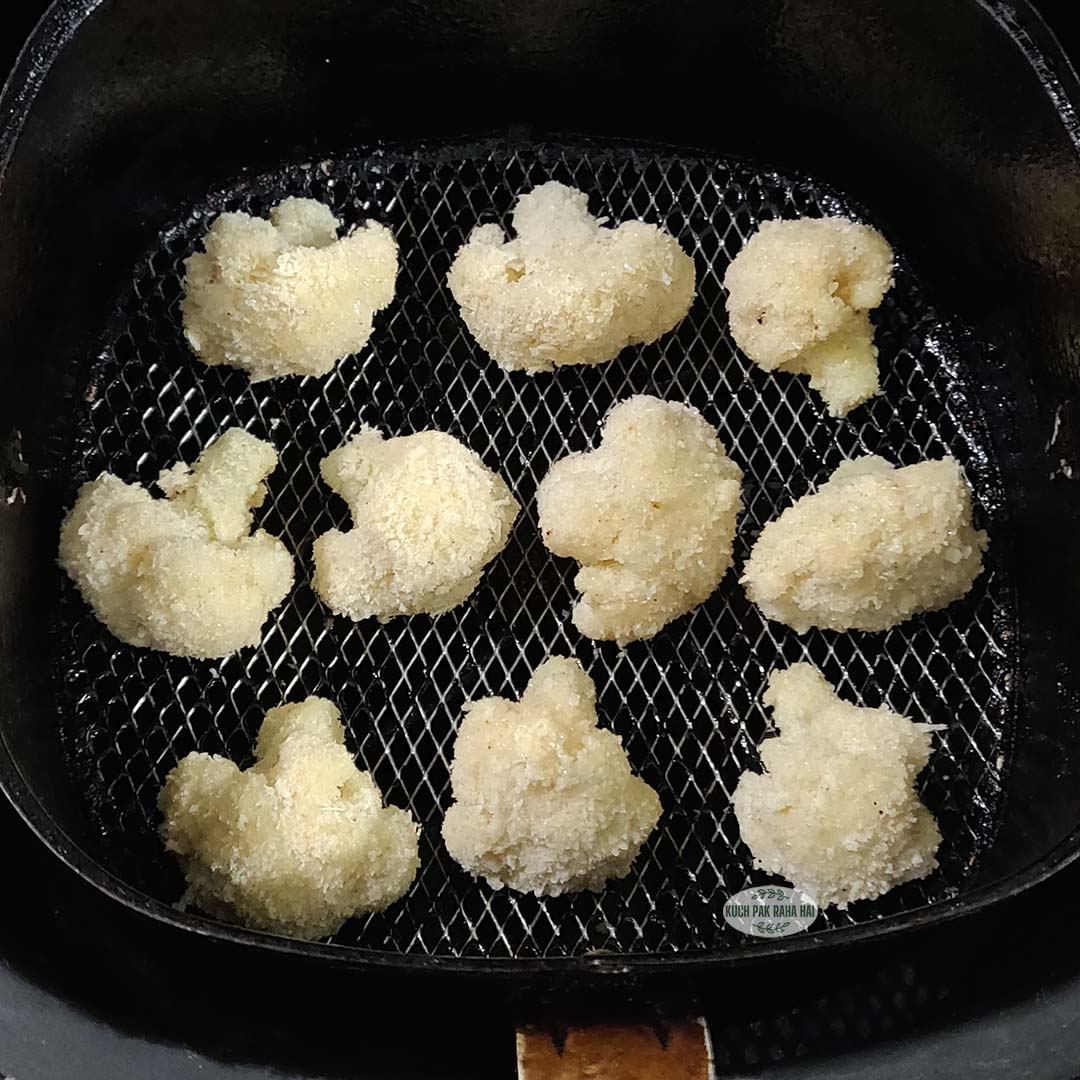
{"type": "Point", "coordinates": [678, 1050]}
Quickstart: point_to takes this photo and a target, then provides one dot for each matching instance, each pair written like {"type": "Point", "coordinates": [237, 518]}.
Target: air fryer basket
{"type": "Point", "coordinates": [122, 151]}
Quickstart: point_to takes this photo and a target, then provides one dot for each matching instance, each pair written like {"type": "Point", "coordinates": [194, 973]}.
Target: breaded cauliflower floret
{"type": "Point", "coordinates": [567, 289]}
{"type": "Point", "coordinates": [286, 296]}
{"type": "Point", "coordinates": [799, 294]}
{"type": "Point", "coordinates": [872, 547]}
{"type": "Point", "coordinates": [181, 574]}
{"type": "Point", "coordinates": [296, 844]}
{"type": "Point", "coordinates": [649, 514]}
{"type": "Point", "coordinates": [544, 801]}
{"type": "Point", "coordinates": [836, 811]}
{"type": "Point", "coordinates": [428, 516]}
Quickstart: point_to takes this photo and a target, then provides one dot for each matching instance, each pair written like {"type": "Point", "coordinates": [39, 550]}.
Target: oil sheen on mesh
{"type": "Point", "coordinates": [686, 704]}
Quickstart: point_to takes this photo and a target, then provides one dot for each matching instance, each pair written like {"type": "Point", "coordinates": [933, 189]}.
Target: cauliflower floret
{"type": "Point", "coordinates": [286, 296]}
{"type": "Point", "coordinates": [428, 516]}
{"type": "Point", "coordinates": [567, 289]}
{"type": "Point", "coordinates": [836, 812]}
{"type": "Point", "coordinates": [799, 294]}
{"type": "Point", "coordinates": [545, 801]}
{"type": "Point", "coordinates": [296, 844]}
{"type": "Point", "coordinates": [181, 574]}
{"type": "Point", "coordinates": [649, 514]}
{"type": "Point", "coordinates": [872, 547]}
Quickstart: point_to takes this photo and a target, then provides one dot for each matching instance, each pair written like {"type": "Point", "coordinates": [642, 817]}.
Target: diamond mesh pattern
{"type": "Point", "coordinates": [686, 704]}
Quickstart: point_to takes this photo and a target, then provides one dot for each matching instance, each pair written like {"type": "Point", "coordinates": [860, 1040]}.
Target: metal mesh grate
{"type": "Point", "coordinates": [685, 704]}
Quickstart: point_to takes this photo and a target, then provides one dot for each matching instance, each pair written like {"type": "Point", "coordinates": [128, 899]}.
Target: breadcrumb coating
{"type": "Point", "coordinates": [649, 514]}
{"type": "Point", "coordinates": [872, 547]}
{"type": "Point", "coordinates": [286, 296]}
{"type": "Point", "coordinates": [799, 294]}
{"type": "Point", "coordinates": [296, 844]}
{"type": "Point", "coordinates": [181, 574]}
{"type": "Point", "coordinates": [567, 289]}
{"type": "Point", "coordinates": [428, 516]}
{"type": "Point", "coordinates": [836, 812]}
{"type": "Point", "coordinates": [544, 801]}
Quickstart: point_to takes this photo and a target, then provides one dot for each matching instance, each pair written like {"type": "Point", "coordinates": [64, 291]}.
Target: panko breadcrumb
{"type": "Point", "coordinates": [799, 294]}
{"type": "Point", "coordinates": [296, 844]}
{"type": "Point", "coordinates": [181, 574]}
{"type": "Point", "coordinates": [567, 289]}
{"type": "Point", "coordinates": [544, 801]}
{"type": "Point", "coordinates": [428, 516]}
{"type": "Point", "coordinates": [836, 812]}
{"type": "Point", "coordinates": [650, 515]}
{"type": "Point", "coordinates": [872, 547]}
{"type": "Point", "coordinates": [286, 296]}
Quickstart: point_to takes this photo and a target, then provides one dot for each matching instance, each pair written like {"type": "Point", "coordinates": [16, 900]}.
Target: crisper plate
{"type": "Point", "coordinates": [686, 704]}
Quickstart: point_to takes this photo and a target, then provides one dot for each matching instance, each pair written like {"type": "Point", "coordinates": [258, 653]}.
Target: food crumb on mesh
{"type": "Point", "coordinates": [296, 844]}
{"type": "Point", "coordinates": [836, 811]}
{"type": "Point", "coordinates": [544, 800]}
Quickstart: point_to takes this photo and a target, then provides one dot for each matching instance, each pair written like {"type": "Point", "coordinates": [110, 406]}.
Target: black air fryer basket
{"type": "Point", "coordinates": [949, 126]}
